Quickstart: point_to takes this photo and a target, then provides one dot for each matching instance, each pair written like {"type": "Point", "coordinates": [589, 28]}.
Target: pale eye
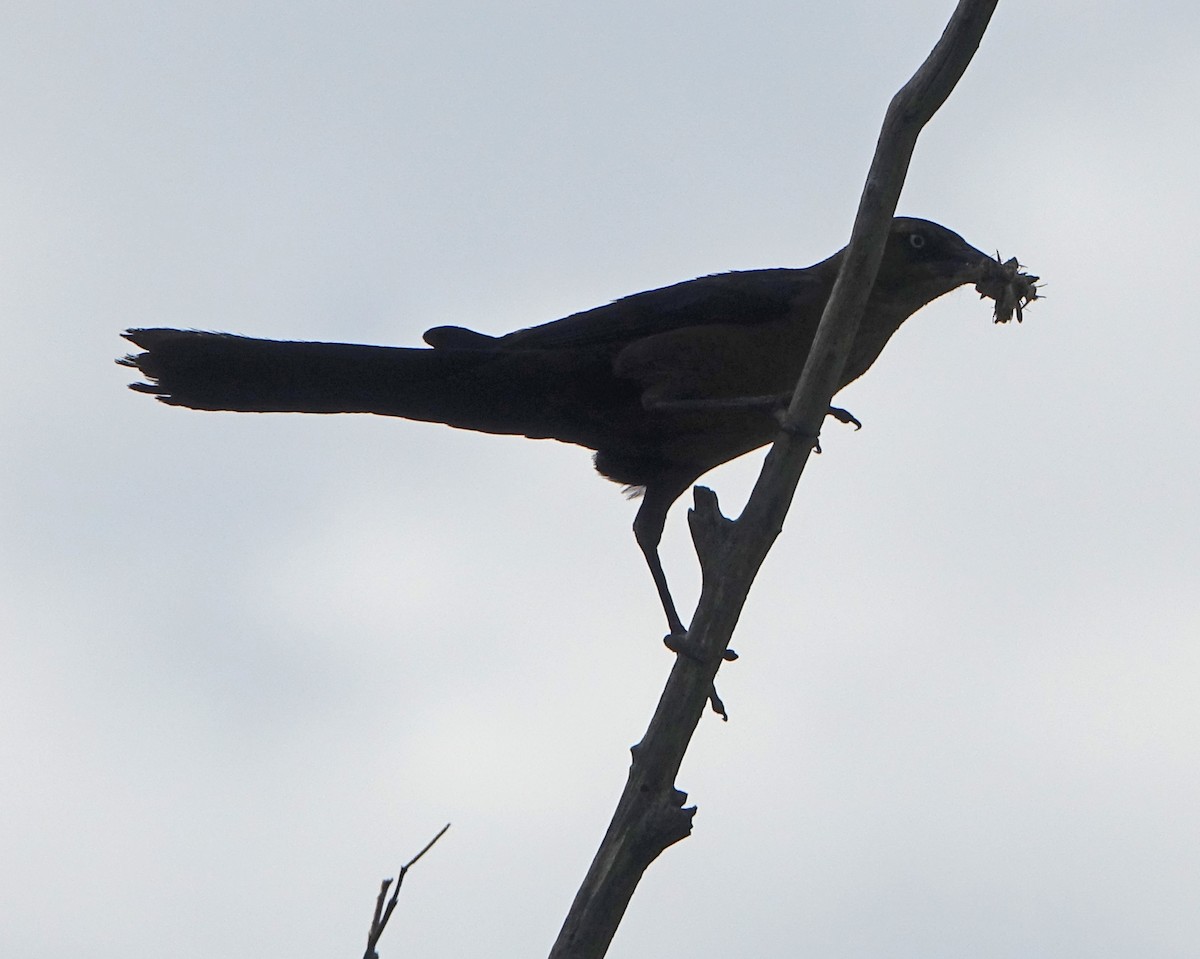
{"type": "Point", "coordinates": [916, 241]}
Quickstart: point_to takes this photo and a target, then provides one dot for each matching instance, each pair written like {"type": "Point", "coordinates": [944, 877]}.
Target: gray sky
{"type": "Point", "coordinates": [252, 663]}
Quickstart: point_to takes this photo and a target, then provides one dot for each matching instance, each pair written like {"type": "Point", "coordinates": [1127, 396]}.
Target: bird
{"type": "Point", "coordinates": [658, 383]}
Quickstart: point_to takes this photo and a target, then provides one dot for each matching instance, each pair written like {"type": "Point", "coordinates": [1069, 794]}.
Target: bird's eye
{"type": "Point", "coordinates": [916, 240]}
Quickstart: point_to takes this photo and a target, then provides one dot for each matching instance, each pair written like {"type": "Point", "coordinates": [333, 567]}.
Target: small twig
{"type": "Point", "coordinates": [382, 914]}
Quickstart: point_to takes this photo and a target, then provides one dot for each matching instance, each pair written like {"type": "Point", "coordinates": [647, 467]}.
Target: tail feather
{"type": "Point", "coordinates": [490, 390]}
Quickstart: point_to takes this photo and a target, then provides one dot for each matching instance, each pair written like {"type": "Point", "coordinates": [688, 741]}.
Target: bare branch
{"type": "Point", "coordinates": [650, 814]}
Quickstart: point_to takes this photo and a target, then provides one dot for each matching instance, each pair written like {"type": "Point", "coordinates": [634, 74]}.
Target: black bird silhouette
{"type": "Point", "coordinates": [635, 380]}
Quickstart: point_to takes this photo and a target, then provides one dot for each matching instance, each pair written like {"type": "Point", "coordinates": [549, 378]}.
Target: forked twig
{"type": "Point", "coordinates": [384, 912]}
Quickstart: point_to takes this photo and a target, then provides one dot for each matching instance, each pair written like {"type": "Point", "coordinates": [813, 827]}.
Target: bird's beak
{"type": "Point", "coordinates": [967, 264]}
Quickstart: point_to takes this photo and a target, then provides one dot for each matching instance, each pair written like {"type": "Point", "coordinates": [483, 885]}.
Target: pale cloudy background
{"type": "Point", "coordinates": [251, 664]}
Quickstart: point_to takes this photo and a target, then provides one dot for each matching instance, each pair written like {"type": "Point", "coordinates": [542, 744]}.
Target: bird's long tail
{"type": "Point", "coordinates": [480, 389]}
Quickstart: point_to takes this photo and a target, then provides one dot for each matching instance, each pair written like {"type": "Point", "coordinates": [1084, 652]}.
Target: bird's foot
{"type": "Point", "coordinates": [681, 645]}
{"type": "Point", "coordinates": [678, 643]}
{"type": "Point", "coordinates": [785, 424]}
{"type": "Point", "coordinates": [845, 416]}
{"type": "Point", "coordinates": [839, 414]}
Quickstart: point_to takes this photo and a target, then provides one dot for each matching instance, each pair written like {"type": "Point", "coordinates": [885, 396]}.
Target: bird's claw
{"type": "Point", "coordinates": [680, 645]}
{"type": "Point", "coordinates": [845, 416]}
{"type": "Point", "coordinates": [791, 429]}
{"type": "Point", "coordinates": [718, 706]}
{"type": "Point", "coordinates": [839, 414]}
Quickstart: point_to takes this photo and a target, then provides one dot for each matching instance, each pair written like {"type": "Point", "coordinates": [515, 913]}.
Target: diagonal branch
{"type": "Point", "coordinates": [650, 814]}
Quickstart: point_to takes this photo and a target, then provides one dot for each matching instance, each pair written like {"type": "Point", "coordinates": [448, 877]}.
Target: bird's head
{"type": "Point", "coordinates": [923, 260]}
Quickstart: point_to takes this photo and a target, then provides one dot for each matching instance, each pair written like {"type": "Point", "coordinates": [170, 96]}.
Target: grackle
{"type": "Point", "coordinates": [651, 382]}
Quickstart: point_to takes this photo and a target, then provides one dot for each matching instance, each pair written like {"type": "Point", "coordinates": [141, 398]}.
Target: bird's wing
{"type": "Point", "coordinates": [743, 298]}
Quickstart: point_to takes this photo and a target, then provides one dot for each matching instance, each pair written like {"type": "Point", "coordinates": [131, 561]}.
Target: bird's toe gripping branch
{"type": "Point", "coordinates": [839, 414]}
{"type": "Point", "coordinates": [845, 416]}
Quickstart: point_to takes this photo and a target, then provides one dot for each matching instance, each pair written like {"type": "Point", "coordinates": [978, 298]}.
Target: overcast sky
{"type": "Point", "coordinates": [250, 664]}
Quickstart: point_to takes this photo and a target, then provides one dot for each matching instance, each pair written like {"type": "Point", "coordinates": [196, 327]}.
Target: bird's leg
{"type": "Point", "coordinates": [650, 551]}
{"type": "Point", "coordinates": [733, 404]}
{"type": "Point", "coordinates": [773, 403]}
{"type": "Point", "coordinates": [647, 530]}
